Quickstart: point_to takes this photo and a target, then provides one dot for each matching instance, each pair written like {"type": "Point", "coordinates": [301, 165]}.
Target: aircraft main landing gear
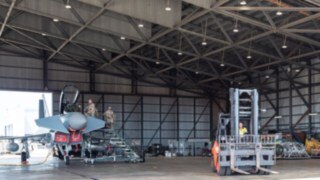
{"type": "Point", "coordinates": [67, 160]}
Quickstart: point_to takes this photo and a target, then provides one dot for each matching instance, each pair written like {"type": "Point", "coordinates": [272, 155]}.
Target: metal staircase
{"type": "Point", "coordinates": [107, 145]}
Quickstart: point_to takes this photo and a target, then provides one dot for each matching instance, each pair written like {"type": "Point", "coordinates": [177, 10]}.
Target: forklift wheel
{"type": "Point", "coordinates": [213, 168]}
{"type": "Point", "coordinates": [260, 172]}
{"type": "Point", "coordinates": [264, 173]}
{"type": "Point", "coordinates": [267, 167]}
{"type": "Point", "coordinates": [222, 171]}
{"type": "Point", "coordinates": [228, 171]}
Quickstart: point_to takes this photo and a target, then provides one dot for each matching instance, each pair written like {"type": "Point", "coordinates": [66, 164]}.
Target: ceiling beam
{"type": "Point", "coordinates": [84, 26]}
{"type": "Point", "coordinates": [7, 17]}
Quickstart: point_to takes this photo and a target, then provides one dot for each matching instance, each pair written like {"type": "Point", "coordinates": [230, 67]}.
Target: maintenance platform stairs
{"type": "Point", "coordinates": [107, 145]}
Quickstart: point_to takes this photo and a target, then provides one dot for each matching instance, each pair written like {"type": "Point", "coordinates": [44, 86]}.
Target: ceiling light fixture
{"type": "Point", "coordinates": [279, 13]}
{"type": "Point", "coordinates": [249, 51]}
{"type": "Point", "coordinates": [288, 69]}
{"type": "Point", "coordinates": [243, 2]}
{"type": "Point", "coordinates": [263, 110]}
{"type": "Point", "coordinates": [236, 29]}
{"type": "Point", "coordinates": [180, 41]}
{"type": "Point", "coordinates": [278, 117]}
{"type": "Point", "coordinates": [103, 49]}
{"type": "Point", "coordinates": [297, 70]}
{"type": "Point", "coordinates": [197, 68]}
{"type": "Point", "coordinates": [158, 55]}
{"type": "Point", "coordinates": [284, 45]}
{"type": "Point", "coordinates": [313, 114]}
{"type": "Point", "coordinates": [55, 20]}
{"type": "Point", "coordinates": [222, 59]}
{"type": "Point", "coordinates": [204, 42]}
{"type": "Point", "coordinates": [122, 38]}
{"type": "Point", "coordinates": [68, 6]}
{"type": "Point", "coordinates": [168, 7]}
{"type": "Point", "coordinates": [267, 76]}
{"type": "Point", "coordinates": [140, 24]}
{"type": "Point", "coordinates": [43, 34]}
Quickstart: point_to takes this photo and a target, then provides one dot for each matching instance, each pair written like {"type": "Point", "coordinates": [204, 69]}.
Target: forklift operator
{"type": "Point", "coordinates": [242, 130]}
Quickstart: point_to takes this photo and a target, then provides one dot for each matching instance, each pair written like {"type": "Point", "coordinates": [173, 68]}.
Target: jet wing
{"type": "Point", "coordinates": [36, 137]}
{"type": "Point", "coordinates": [94, 124]}
{"type": "Point", "coordinates": [52, 123]}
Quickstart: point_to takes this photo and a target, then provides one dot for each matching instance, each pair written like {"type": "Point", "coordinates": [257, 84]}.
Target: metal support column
{"type": "Point", "coordinates": [141, 114]}
{"type": "Point", "coordinates": [134, 79]}
{"type": "Point", "coordinates": [277, 100]}
{"type": "Point", "coordinates": [178, 125]}
{"type": "Point", "coordinates": [309, 99]}
{"type": "Point", "coordinates": [160, 119]}
{"type": "Point", "coordinates": [290, 103]}
{"type": "Point", "coordinates": [92, 81]}
{"type": "Point", "coordinates": [211, 121]}
{"type": "Point", "coordinates": [103, 108]}
{"type": "Point", "coordinates": [45, 75]}
{"type": "Point", "coordinates": [122, 123]}
{"type": "Point", "coordinates": [194, 125]}
{"type": "Point", "coordinates": [82, 103]}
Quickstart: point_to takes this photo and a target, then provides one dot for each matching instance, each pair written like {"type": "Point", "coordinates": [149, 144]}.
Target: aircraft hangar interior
{"type": "Point", "coordinates": [159, 89]}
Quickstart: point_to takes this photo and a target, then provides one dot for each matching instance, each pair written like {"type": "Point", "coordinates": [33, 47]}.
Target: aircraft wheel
{"type": "Point", "coordinates": [67, 160]}
{"type": "Point", "coordinates": [23, 157]}
{"type": "Point", "coordinates": [87, 153]}
{"type": "Point", "coordinates": [60, 156]}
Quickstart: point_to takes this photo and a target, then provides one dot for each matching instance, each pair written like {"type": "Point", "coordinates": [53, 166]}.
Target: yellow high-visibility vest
{"type": "Point", "coordinates": [243, 131]}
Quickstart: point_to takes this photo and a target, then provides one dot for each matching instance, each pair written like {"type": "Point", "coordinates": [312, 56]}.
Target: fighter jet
{"type": "Point", "coordinates": [66, 129]}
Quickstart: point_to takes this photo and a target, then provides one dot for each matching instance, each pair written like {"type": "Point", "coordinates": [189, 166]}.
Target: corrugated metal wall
{"type": "Point", "coordinates": [298, 108]}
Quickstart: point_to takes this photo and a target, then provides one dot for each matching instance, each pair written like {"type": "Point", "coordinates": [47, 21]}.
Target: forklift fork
{"type": "Point", "coordinates": [258, 160]}
{"type": "Point", "coordinates": [232, 161]}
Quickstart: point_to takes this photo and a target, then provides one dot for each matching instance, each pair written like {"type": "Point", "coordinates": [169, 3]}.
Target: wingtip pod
{"type": "Point", "coordinates": [52, 123]}
{"type": "Point", "coordinates": [94, 124]}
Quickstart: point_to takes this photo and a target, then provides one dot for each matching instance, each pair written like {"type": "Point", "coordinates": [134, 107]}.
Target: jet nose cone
{"type": "Point", "coordinates": [77, 121]}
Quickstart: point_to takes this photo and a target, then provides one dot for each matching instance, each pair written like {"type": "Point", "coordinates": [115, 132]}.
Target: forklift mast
{"type": "Point", "coordinates": [245, 109]}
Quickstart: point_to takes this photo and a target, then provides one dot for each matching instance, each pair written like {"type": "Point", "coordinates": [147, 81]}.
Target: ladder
{"type": "Point", "coordinates": [111, 145]}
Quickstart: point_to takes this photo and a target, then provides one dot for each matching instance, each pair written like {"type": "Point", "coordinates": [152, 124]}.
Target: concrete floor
{"type": "Point", "coordinates": [154, 168]}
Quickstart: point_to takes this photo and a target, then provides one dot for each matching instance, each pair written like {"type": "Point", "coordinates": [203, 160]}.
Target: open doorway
{"type": "Point", "coordinates": [18, 111]}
